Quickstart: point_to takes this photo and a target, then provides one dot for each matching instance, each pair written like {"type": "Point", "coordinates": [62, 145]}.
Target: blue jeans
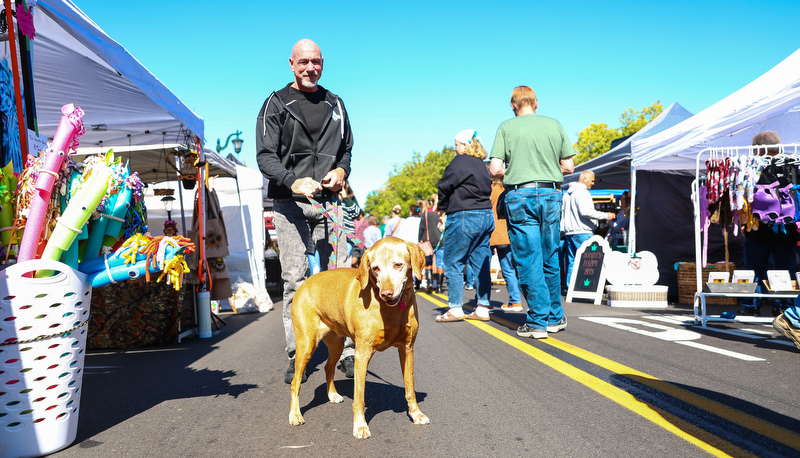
{"type": "Point", "coordinates": [509, 273]}
{"type": "Point", "coordinates": [533, 216]}
{"type": "Point", "coordinates": [439, 255]}
{"type": "Point", "coordinates": [470, 276]}
{"type": "Point", "coordinates": [467, 240]}
{"type": "Point", "coordinates": [572, 243]}
{"type": "Point", "coordinates": [792, 314]}
{"type": "Point", "coordinates": [757, 258]}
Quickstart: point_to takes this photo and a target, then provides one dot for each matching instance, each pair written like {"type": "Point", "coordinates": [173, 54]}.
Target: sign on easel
{"type": "Point", "coordinates": [588, 276]}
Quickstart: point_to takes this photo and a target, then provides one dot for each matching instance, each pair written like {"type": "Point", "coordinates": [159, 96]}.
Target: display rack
{"type": "Point", "coordinates": [700, 314]}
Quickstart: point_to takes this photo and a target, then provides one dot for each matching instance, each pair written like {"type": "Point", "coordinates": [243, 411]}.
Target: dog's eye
{"type": "Point", "coordinates": [376, 269]}
{"type": "Point", "coordinates": [398, 265]}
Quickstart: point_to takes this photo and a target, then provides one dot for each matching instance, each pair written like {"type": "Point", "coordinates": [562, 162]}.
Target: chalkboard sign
{"type": "Point", "coordinates": [588, 275]}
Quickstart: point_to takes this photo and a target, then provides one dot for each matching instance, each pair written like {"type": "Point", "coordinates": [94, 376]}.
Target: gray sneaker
{"type": "Point", "coordinates": [558, 327]}
{"type": "Point", "coordinates": [348, 366]}
{"type": "Point", "coordinates": [290, 374]}
{"type": "Point", "coordinates": [527, 331]}
{"type": "Point", "coordinates": [784, 328]}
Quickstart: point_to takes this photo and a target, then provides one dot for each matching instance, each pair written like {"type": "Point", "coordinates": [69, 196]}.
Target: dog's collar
{"type": "Point", "coordinates": [402, 305]}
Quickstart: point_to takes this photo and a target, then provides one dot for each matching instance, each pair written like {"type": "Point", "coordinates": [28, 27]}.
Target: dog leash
{"type": "Point", "coordinates": [336, 228]}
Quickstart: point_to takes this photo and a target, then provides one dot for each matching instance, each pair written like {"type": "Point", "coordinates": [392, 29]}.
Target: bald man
{"type": "Point", "coordinates": [579, 216]}
{"type": "Point", "coordinates": [303, 144]}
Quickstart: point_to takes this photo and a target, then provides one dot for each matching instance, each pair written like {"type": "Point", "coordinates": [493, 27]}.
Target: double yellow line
{"type": "Point", "coordinates": [681, 428]}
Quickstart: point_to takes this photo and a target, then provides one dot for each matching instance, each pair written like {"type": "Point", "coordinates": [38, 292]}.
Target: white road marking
{"type": "Point", "coordinates": [732, 354]}
{"type": "Point", "coordinates": [670, 334]}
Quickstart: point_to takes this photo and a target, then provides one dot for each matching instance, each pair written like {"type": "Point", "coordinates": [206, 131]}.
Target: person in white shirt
{"type": "Point", "coordinates": [391, 225]}
{"type": "Point", "coordinates": [579, 217]}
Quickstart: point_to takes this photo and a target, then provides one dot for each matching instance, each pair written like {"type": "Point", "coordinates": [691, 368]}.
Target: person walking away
{"type": "Point", "coordinates": [372, 233]}
{"type": "Point", "coordinates": [464, 191]}
{"type": "Point", "coordinates": [500, 243]}
{"type": "Point", "coordinates": [429, 232]}
{"type": "Point", "coordinates": [303, 147]}
{"type": "Point", "coordinates": [361, 225]}
{"type": "Point", "coordinates": [394, 221]}
{"type": "Point", "coordinates": [580, 217]}
{"type": "Point", "coordinates": [537, 153]}
{"type": "Point", "coordinates": [409, 229]}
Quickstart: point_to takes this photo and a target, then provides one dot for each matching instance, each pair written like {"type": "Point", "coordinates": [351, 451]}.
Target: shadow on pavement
{"type": "Point", "coordinates": [125, 383]}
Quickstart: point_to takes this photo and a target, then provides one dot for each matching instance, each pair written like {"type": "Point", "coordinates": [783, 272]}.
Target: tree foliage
{"type": "Point", "coordinates": [409, 182]}
{"type": "Point", "coordinates": [596, 139]}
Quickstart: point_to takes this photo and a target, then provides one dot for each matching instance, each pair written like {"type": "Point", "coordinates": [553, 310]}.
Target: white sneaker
{"type": "Point", "coordinates": [517, 307]}
{"type": "Point", "coordinates": [558, 327]}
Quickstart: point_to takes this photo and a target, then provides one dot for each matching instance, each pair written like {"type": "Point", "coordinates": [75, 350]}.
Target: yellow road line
{"type": "Point", "coordinates": [738, 417]}
{"type": "Point", "coordinates": [683, 429]}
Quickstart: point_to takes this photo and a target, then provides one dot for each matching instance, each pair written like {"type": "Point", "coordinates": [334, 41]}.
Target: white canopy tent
{"type": "Point", "coordinates": [771, 102]}
{"type": "Point", "coordinates": [126, 107]}
{"type": "Point", "coordinates": [663, 165]}
{"type": "Point", "coordinates": [75, 61]}
{"type": "Point", "coordinates": [613, 169]}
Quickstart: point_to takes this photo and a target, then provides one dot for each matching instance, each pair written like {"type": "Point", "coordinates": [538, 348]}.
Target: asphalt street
{"type": "Point", "coordinates": [616, 382]}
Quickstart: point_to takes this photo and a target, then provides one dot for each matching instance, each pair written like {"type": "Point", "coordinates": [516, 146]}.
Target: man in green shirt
{"type": "Point", "coordinates": [537, 154]}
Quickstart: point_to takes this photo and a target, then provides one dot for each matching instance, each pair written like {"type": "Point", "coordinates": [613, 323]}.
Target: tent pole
{"type": "Point", "coordinates": [27, 73]}
{"type": "Point", "coordinates": [23, 135]}
{"type": "Point", "coordinates": [632, 216]}
{"type": "Point", "coordinates": [180, 195]}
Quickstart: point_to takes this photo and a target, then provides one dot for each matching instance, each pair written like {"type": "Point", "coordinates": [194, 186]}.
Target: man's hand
{"type": "Point", "coordinates": [334, 180]}
{"type": "Point", "coordinates": [306, 186]}
{"type": "Point", "coordinates": [611, 216]}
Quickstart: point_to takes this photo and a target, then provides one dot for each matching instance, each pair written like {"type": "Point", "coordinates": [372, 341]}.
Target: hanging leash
{"type": "Point", "coordinates": [336, 228]}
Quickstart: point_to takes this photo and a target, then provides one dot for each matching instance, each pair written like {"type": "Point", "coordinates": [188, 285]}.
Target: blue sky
{"type": "Point", "coordinates": [413, 74]}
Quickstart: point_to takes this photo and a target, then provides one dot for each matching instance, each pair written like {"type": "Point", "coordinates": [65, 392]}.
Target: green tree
{"type": "Point", "coordinates": [633, 122]}
{"type": "Point", "coordinates": [409, 182]}
{"type": "Point", "coordinates": [596, 139]}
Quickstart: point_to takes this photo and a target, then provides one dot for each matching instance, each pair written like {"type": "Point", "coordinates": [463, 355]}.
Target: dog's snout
{"type": "Point", "coordinates": [387, 294]}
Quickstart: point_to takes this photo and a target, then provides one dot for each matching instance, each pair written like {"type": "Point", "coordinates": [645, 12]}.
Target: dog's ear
{"type": "Point", "coordinates": [364, 271]}
{"type": "Point", "coordinates": [417, 258]}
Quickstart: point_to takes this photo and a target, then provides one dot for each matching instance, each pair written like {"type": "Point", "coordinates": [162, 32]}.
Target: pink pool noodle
{"type": "Point", "coordinates": [69, 129]}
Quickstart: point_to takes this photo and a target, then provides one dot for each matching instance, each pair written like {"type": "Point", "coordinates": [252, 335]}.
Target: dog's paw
{"type": "Point", "coordinates": [420, 418]}
{"type": "Point", "coordinates": [335, 398]}
{"type": "Point", "coordinates": [361, 432]}
{"type": "Point", "coordinates": [296, 419]}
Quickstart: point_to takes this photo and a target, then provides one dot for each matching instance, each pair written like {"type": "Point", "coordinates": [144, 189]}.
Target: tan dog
{"type": "Point", "coordinates": [374, 305]}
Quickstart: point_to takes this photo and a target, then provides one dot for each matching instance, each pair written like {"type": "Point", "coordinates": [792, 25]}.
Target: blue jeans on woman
{"type": "Point", "coordinates": [467, 235]}
{"type": "Point", "coordinates": [533, 216]}
{"type": "Point", "coordinates": [509, 273]}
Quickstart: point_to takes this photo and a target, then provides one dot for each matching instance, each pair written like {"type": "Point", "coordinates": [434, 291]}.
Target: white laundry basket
{"type": "Point", "coordinates": [43, 327]}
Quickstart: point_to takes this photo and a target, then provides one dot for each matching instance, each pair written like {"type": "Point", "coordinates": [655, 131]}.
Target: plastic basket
{"type": "Point", "coordinates": [43, 331]}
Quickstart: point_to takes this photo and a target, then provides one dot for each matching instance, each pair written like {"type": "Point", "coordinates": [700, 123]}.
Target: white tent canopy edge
{"type": "Point", "coordinates": [770, 102]}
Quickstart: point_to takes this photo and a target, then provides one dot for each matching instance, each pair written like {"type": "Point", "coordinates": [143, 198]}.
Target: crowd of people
{"type": "Point", "coordinates": [514, 208]}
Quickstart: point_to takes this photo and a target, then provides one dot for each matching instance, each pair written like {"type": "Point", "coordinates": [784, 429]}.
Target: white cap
{"type": "Point", "coordinates": [465, 136]}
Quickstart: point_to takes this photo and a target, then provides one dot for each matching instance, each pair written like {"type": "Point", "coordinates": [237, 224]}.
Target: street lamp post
{"type": "Point", "coordinates": [237, 143]}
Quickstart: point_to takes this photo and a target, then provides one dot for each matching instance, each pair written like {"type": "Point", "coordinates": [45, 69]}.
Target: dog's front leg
{"type": "Point", "coordinates": [407, 365]}
{"type": "Point", "coordinates": [364, 354]}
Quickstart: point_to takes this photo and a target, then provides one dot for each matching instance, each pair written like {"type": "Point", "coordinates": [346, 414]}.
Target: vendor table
{"type": "Point", "coordinates": [700, 306]}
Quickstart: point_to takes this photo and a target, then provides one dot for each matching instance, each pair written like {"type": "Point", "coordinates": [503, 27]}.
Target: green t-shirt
{"type": "Point", "coordinates": [532, 147]}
